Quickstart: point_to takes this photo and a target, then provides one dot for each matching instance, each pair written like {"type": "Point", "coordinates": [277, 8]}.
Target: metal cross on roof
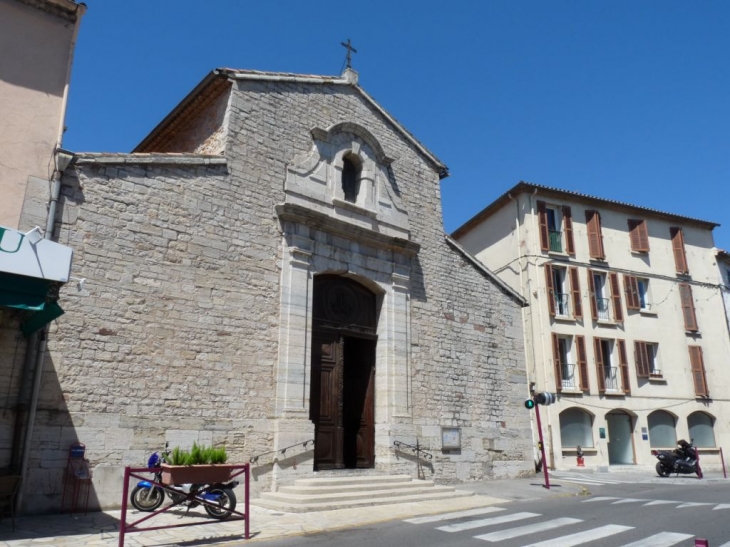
{"type": "Point", "coordinates": [350, 50]}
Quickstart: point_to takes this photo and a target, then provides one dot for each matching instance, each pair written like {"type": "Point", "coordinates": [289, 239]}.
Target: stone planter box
{"type": "Point", "coordinates": [195, 474]}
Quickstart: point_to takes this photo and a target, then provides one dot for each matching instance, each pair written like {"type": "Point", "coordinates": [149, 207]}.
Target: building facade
{"type": "Point", "coordinates": [37, 40]}
{"type": "Point", "coordinates": [626, 321]}
{"type": "Point", "coordinates": [268, 272]}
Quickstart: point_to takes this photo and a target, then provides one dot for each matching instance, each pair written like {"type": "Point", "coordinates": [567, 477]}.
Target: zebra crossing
{"type": "Point", "coordinates": [646, 502]}
{"type": "Point", "coordinates": [521, 524]}
{"type": "Point", "coordinates": [590, 480]}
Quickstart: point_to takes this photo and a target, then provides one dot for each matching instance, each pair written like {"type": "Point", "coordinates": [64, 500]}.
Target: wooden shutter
{"type": "Point", "coordinates": [592, 295]}
{"type": "Point", "coordinates": [580, 345]}
{"type": "Point", "coordinates": [558, 364]}
{"type": "Point", "coordinates": [639, 236]}
{"type": "Point", "coordinates": [550, 290]}
{"type": "Point", "coordinates": [568, 228]}
{"type": "Point", "coordinates": [631, 290]}
{"type": "Point", "coordinates": [680, 258]}
{"type": "Point", "coordinates": [624, 365]}
{"type": "Point", "coordinates": [688, 307]}
{"type": "Point", "coordinates": [698, 371]}
{"type": "Point", "coordinates": [595, 238]}
{"type": "Point", "coordinates": [599, 365]}
{"type": "Point", "coordinates": [575, 291]}
{"type": "Point", "coordinates": [618, 313]}
{"type": "Point", "coordinates": [641, 357]}
{"type": "Point", "coordinates": [542, 218]}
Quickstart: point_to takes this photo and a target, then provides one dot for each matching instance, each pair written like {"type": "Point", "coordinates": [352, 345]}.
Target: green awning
{"type": "Point", "coordinates": [29, 293]}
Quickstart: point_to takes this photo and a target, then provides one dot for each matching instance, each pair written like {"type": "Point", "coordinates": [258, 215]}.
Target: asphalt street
{"type": "Point", "coordinates": [659, 513]}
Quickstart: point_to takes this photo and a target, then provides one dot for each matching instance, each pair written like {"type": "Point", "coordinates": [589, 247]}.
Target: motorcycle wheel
{"type": "Point", "coordinates": [147, 499]}
{"type": "Point", "coordinates": [661, 470]}
{"type": "Point", "coordinates": [222, 508]}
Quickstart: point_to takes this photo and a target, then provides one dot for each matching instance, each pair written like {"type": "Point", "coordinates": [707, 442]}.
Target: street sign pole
{"type": "Point", "coordinates": [542, 448]}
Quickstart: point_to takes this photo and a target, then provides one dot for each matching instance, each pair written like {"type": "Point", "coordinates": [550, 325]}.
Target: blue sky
{"type": "Point", "coordinates": [623, 100]}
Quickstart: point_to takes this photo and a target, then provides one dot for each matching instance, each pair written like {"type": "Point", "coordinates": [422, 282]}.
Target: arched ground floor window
{"type": "Point", "coordinates": [576, 428]}
{"type": "Point", "coordinates": [701, 432]}
{"type": "Point", "coordinates": [662, 431]}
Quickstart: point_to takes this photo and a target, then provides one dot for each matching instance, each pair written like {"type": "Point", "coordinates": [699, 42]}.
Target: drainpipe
{"type": "Point", "coordinates": [37, 342]}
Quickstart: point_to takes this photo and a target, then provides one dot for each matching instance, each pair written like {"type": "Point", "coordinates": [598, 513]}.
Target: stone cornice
{"type": "Point", "coordinates": [319, 221]}
{"type": "Point", "coordinates": [88, 158]}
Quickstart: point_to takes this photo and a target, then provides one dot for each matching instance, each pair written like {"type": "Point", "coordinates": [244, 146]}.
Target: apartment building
{"type": "Point", "coordinates": [626, 321]}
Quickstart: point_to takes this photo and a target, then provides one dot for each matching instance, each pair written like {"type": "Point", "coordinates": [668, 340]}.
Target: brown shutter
{"type": "Point", "coordinates": [631, 289]}
{"type": "Point", "coordinates": [688, 307]}
{"type": "Point", "coordinates": [642, 360]}
{"type": "Point", "coordinates": [575, 291]}
{"type": "Point", "coordinates": [599, 365]}
{"type": "Point", "coordinates": [698, 371]}
{"type": "Point", "coordinates": [618, 313]}
{"type": "Point", "coordinates": [549, 289]}
{"type": "Point", "coordinates": [542, 218]}
{"type": "Point", "coordinates": [558, 364]}
{"type": "Point", "coordinates": [580, 345]}
{"type": "Point", "coordinates": [639, 236]}
{"type": "Point", "coordinates": [595, 238]}
{"type": "Point", "coordinates": [568, 228]}
{"type": "Point", "coordinates": [680, 258]}
{"type": "Point", "coordinates": [624, 365]}
{"type": "Point", "coordinates": [592, 295]}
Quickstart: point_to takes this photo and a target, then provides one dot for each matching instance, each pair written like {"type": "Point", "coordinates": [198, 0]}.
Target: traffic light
{"type": "Point", "coordinates": [545, 398]}
{"type": "Point", "coordinates": [529, 404]}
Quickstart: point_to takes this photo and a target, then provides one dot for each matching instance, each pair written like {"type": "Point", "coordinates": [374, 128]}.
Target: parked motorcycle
{"type": "Point", "coordinates": [682, 460]}
{"type": "Point", "coordinates": [148, 497]}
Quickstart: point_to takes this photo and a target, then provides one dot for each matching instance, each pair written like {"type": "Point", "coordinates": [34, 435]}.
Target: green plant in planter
{"type": "Point", "coordinates": [198, 455]}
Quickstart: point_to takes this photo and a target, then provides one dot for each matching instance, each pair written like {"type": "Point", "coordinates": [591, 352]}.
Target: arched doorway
{"type": "Point", "coordinates": [620, 438]}
{"type": "Point", "coordinates": [342, 398]}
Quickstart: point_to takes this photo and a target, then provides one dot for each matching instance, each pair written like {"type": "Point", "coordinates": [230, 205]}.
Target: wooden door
{"type": "Point", "coordinates": [326, 400]}
{"type": "Point", "coordinates": [359, 403]}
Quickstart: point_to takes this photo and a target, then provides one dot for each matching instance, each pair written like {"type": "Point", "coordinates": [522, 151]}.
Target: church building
{"type": "Point", "coordinates": [268, 271]}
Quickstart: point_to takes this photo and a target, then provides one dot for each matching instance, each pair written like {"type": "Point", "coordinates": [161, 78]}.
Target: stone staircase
{"type": "Point", "coordinates": [329, 493]}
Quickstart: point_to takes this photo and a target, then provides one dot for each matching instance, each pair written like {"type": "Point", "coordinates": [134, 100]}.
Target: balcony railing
{"type": "Point", "coordinates": [562, 304]}
{"type": "Point", "coordinates": [556, 241]}
{"type": "Point", "coordinates": [611, 378]}
{"type": "Point", "coordinates": [602, 305]}
{"type": "Point", "coordinates": [568, 376]}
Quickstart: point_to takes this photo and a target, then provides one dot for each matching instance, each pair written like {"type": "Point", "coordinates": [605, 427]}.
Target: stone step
{"type": "Point", "coordinates": [362, 502]}
{"type": "Point", "coordinates": [350, 495]}
{"type": "Point", "coordinates": [354, 480]}
{"type": "Point", "coordinates": [310, 489]}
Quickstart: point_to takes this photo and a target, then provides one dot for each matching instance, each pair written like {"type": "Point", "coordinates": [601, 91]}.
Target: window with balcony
{"type": "Point", "coordinates": [576, 428]}
{"type": "Point", "coordinates": [556, 228]}
{"type": "Point", "coordinates": [647, 360]}
{"type": "Point", "coordinates": [571, 366]}
{"type": "Point", "coordinates": [662, 430]}
{"type": "Point", "coordinates": [563, 292]}
{"type": "Point", "coordinates": [701, 430]}
{"type": "Point", "coordinates": [605, 296]}
{"type": "Point", "coordinates": [612, 373]}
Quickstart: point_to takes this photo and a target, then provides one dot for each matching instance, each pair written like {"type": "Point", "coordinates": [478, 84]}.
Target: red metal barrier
{"type": "Point", "coordinates": [132, 472]}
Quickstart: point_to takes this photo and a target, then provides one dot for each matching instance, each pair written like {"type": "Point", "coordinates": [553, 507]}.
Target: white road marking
{"type": "Point", "coordinates": [722, 506]}
{"type": "Point", "coordinates": [661, 502]}
{"type": "Point", "coordinates": [627, 500]}
{"type": "Point", "coordinates": [664, 539]}
{"type": "Point", "coordinates": [471, 524]}
{"type": "Point", "coordinates": [725, 544]}
{"type": "Point", "coordinates": [691, 504]}
{"type": "Point", "coordinates": [456, 515]}
{"type": "Point", "coordinates": [583, 537]}
{"type": "Point", "coordinates": [600, 498]}
{"type": "Point", "coordinates": [528, 529]}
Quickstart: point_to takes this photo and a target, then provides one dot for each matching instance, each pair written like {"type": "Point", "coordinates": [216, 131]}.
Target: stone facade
{"type": "Point", "coordinates": [195, 318]}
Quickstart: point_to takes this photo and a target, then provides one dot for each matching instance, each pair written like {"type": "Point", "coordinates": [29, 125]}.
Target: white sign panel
{"type": "Point", "coordinates": [30, 255]}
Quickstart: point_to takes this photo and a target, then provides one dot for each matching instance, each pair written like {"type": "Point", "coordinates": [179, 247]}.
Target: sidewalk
{"type": "Point", "coordinates": [101, 529]}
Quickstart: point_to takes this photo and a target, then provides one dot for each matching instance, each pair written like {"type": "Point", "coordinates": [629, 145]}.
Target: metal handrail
{"type": "Point", "coordinates": [568, 373]}
{"type": "Point", "coordinates": [603, 310]}
{"type": "Point", "coordinates": [417, 448]}
{"type": "Point", "coordinates": [562, 304]}
{"type": "Point", "coordinates": [254, 459]}
{"type": "Point", "coordinates": [611, 378]}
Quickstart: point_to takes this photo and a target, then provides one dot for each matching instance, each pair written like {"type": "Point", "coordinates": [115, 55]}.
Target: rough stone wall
{"type": "Point", "coordinates": [175, 334]}
{"type": "Point", "coordinates": [12, 360]}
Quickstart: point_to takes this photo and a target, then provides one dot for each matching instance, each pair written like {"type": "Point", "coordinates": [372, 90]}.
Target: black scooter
{"type": "Point", "coordinates": [675, 461]}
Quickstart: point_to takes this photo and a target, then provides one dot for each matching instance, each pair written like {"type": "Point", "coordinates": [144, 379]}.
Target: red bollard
{"type": "Point", "coordinates": [581, 461]}
{"type": "Point", "coordinates": [702, 543]}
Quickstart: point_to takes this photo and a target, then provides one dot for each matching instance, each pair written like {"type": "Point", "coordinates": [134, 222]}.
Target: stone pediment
{"type": "Point", "coordinates": [315, 181]}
